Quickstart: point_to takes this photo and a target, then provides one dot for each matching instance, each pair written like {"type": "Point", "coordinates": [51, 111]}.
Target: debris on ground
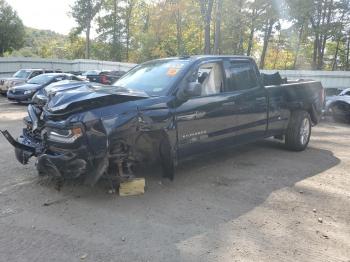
{"type": "Point", "coordinates": [320, 220]}
{"type": "Point", "coordinates": [132, 187]}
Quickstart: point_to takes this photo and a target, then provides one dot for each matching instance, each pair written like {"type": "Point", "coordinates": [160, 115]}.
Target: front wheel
{"type": "Point", "coordinates": [299, 131]}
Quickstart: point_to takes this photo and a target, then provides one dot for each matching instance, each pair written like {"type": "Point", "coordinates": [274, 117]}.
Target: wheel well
{"type": "Point", "coordinates": [147, 145]}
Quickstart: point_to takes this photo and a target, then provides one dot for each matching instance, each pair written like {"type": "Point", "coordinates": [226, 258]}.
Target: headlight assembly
{"type": "Point", "coordinates": [28, 92]}
{"type": "Point", "coordinates": [65, 135]}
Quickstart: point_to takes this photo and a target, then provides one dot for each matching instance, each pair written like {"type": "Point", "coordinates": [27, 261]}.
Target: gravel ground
{"type": "Point", "coordinates": [252, 203]}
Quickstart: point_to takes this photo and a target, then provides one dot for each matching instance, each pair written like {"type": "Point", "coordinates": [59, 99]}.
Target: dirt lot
{"type": "Point", "coordinates": [253, 203]}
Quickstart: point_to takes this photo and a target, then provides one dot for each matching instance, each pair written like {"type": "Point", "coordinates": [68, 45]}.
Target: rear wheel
{"type": "Point", "coordinates": [299, 131]}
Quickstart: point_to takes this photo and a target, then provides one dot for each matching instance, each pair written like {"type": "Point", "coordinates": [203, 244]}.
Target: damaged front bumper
{"type": "Point", "coordinates": [67, 163]}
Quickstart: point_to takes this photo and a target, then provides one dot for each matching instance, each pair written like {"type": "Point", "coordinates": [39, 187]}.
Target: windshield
{"type": "Point", "coordinates": [92, 72]}
{"type": "Point", "coordinates": [154, 78]}
{"type": "Point", "coordinates": [22, 74]}
{"type": "Point", "coordinates": [40, 79]}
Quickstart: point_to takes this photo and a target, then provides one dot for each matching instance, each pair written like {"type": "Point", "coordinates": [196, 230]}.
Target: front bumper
{"type": "Point", "coordinates": [19, 97]}
{"type": "Point", "coordinates": [67, 163]}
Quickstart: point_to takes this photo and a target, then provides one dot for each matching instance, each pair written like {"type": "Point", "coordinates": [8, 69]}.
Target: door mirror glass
{"type": "Point", "coordinates": [191, 89]}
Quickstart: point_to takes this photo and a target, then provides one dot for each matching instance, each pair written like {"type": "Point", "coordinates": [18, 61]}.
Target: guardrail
{"type": "Point", "coordinates": [10, 65]}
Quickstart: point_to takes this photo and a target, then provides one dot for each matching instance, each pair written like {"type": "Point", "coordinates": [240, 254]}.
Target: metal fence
{"type": "Point", "coordinates": [8, 66]}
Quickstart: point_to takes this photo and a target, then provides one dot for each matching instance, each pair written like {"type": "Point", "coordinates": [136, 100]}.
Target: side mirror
{"type": "Point", "coordinates": [192, 89]}
{"type": "Point", "coordinates": [40, 99]}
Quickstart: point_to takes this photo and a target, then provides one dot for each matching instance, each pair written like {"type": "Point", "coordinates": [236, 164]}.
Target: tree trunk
{"type": "Point", "coordinates": [87, 44]}
{"type": "Point", "coordinates": [347, 67]}
{"type": "Point", "coordinates": [297, 49]}
{"type": "Point", "coordinates": [128, 18]}
{"type": "Point", "coordinates": [207, 36]}
{"type": "Point", "coordinates": [267, 35]}
{"type": "Point", "coordinates": [206, 10]}
{"type": "Point", "coordinates": [113, 54]}
{"type": "Point", "coordinates": [251, 38]}
{"type": "Point", "coordinates": [218, 27]}
{"type": "Point", "coordinates": [179, 40]}
{"type": "Point", "coordinates": [336, 55]}
{"type": "Point", "coordinates": [277, 51]}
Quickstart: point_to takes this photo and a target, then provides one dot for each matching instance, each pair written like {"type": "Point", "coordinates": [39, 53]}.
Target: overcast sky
{"type": "Point", "coordinates": [45, 14]}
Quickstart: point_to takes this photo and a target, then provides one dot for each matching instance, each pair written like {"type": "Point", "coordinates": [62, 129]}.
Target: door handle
{"type": "Point", "coordinates": [260, 99]}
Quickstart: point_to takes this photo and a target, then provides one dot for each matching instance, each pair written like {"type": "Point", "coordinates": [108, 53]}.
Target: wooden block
{"type": "Point", "coordinates": [132, 187]}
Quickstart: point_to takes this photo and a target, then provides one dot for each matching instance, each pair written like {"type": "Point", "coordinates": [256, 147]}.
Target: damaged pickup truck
{"type": "Point", "coordinates": [163, 111]}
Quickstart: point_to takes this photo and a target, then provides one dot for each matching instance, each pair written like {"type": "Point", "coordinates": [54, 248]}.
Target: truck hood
{"type": "Point", "coordinates": [62, 86]}
{"type": "Point", "coordinates": [90, 96]}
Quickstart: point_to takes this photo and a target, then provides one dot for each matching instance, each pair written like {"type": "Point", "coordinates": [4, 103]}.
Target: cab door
{"type": "Point", "coordinates": [248, 101]}
{"type": "Point", "coordinates": [200, 120]}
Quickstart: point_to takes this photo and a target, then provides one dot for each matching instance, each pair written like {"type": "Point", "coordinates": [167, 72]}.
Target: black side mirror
{"type": "Point", "coordinates": [192, 89]}
{"type": "Point", "coordinates": [39, 98]}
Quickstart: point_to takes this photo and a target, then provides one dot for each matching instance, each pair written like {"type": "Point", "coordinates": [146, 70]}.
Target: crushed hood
{"type": "Point", "coordinates": [89, 96]}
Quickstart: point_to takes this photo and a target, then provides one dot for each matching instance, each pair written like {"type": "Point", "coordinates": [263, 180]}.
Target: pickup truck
{"type": "Point", "coordinates": [164, 111]}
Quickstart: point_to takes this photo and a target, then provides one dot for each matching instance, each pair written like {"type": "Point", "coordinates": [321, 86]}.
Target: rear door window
{"type": "Point", "coordinates": [242, 76]}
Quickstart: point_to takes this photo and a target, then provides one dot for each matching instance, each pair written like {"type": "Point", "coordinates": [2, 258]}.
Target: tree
{"type": "Point", "coordinates": [11, 29]}
{"type": "Point", "coordinates": [84, 12]}
{"type": "Point", "coordinates": [110, 28]}
{"type": "Point", "coordinates": [217, 40]}
{"type": "Point", "coordinates": [206, 7]}
{"type": "Point", "coordinates": [271, 17]}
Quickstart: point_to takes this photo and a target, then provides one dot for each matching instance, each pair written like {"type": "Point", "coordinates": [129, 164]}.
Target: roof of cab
{"type": "Point", "coordinates": [201, 57]}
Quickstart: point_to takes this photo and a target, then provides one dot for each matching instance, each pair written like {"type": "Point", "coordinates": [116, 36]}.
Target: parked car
{"type": "Point", "coordinates": [20, 77]}
{"type": "Point", "coordinates": [338, 104]}
{"type": "Point", "coordinates": [103, 77]}
{"type": "Point", "coordinates": [165, 111]}
{"type": "Point", "coordinates": [24, 93]}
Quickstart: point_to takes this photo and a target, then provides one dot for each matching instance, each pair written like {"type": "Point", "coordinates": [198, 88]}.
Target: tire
{"type": "Point", "coordinates": [339, 113]}
{"type": "Point", "coordinates": [299, 131]}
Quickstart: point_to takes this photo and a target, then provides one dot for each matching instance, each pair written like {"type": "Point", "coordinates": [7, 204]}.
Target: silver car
{"type": "Point", "coordinates": [20, 77]}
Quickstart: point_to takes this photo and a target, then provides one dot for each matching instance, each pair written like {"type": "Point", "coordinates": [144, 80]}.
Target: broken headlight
{"type": "Point", "coordinates": [64, 135]}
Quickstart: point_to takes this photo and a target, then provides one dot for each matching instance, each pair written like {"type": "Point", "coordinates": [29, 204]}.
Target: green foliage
{"type": "Point", "coordinates": [290, 34]}
{"type": "Point", "coordinates": [11, 29]}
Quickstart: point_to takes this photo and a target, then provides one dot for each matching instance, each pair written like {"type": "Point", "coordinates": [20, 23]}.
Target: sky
{"type": "Point", "coordinates": [45, 14]}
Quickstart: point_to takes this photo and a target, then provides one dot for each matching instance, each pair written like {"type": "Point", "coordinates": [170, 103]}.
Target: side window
{"type": "Point", "coordinates": [75, 78]}
{"type": "Point", "coordinates": [35, 73]}
{"type": "Point", "coordinates": [242, 76]}
{"type": "Point", "coordinates": [59, 78]}
{"type": "Point", "coordinates": [210, 76]}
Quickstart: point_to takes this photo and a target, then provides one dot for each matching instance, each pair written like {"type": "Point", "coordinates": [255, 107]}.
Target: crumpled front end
{"type": "Point", "coordinates": [60, 152]}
